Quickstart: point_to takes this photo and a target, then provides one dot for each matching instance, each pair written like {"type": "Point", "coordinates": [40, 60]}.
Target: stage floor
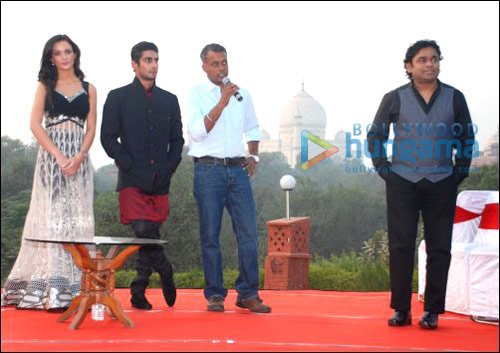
{"type": "Point", "coordinates": [300, 321]}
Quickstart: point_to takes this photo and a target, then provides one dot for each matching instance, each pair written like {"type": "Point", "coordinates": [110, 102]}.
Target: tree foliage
{"type": "Point", "coordinates": [18, 164]}
{"type": "Point", "coordinates": [485, 178]}
{"type": "Point", "coordinates": [14, 210]}
{"type": "Point", "coordinates": [345, 203]}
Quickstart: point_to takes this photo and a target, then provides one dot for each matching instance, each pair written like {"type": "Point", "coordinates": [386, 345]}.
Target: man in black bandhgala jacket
{"type": "Point", "coordinates": [142, 131]}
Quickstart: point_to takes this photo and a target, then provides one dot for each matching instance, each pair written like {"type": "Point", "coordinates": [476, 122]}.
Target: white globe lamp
{"type": "Point", "coordinates": [287, 183]}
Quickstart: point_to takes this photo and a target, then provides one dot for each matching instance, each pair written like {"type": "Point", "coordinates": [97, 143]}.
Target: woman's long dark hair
{"type": "Point", "coordinates": [48, 72]}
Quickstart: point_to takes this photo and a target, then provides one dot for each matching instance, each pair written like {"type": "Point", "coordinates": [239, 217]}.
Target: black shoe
{"type": "Point", "coordinates": [169, 291]}
{"type": "Point", "coordinates": [429, 321]}
{"type": "Point", "coordinates": [400, 318]}
{"type": "Point", "coordinates": [140, 302]}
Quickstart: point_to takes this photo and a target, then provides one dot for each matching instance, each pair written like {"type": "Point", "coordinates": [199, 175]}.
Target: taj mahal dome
{"type": "Point", "coordinates": [302, 112]}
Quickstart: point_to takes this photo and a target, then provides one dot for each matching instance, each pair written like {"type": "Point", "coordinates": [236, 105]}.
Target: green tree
{"type": "Point", "coordinates": [481, 178]}
{"type": "Point", "coordinates": [181, 228]}
{"type": "Point", "coordinates": [14, 211]}
{"type": "Point", "coordinates": [268, 195]}
{"type": "Point", "coordinates": [105, 179]}
{"type": "Point", "coordinates": [107, 216]}
{"type": "Point", "coordinates": [18, 164]}
{"type": "Point", "coordinates": [346, 205]}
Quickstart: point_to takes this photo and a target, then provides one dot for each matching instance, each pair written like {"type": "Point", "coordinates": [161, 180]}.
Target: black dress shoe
{"type": "Point", "coordinates": [169, 291]}
{"type": "Point", "coordinates": [140, 302]}
{"type": "Point", "coordinates": [400, 318]}
{"type": "Point", "coordinates": [429, 321]}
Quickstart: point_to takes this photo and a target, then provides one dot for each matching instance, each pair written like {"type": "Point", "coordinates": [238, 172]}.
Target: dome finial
{"type": "Point", "coordinates": [303, 84]}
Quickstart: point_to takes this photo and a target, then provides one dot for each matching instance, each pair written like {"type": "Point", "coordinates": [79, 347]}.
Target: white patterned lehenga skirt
{"type": "Point", "coordinates": [44, 275]}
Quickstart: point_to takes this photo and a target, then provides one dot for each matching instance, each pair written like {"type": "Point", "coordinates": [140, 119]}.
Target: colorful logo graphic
{"type": "Point", "coordinates": [305, 162]}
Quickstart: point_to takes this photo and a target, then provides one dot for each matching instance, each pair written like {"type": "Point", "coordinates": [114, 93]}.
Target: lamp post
{"type": "Point", "coordinates": [287, 261]}
{"type": "Point", "coordinates": [287, 183]}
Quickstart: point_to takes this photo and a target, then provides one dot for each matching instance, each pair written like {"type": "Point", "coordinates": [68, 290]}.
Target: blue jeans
{"type": "Point", "coordinates": [216, 187]}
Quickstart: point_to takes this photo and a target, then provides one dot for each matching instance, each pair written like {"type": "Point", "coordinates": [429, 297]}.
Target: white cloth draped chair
{"type": "Point", "coordinates": [472, 287]}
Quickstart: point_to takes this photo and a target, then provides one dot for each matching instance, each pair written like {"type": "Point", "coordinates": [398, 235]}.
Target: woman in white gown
{"type": "Point", "coordinates": [61, 208]}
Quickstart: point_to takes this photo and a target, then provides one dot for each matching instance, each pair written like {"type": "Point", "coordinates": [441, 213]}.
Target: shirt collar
{"type": "Point", "coordinates": [138, 84]}
{"type": "Point", "coordinates": [438, 88]}
{"type": "Point", "coordinates": [209, 86]}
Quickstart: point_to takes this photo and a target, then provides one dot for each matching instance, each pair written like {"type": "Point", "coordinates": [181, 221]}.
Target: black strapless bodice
{"type": "Point", "coordinates": [68, 108]}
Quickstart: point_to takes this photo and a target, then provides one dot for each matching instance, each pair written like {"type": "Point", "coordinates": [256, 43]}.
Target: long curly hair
{"type": "Point", "coordinates": [48, 72]}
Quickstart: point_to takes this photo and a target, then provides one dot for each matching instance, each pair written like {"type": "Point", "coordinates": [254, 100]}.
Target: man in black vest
{"type": "Point", "coordinates": [430, 120]}
{"type": "Point", "coordinates": [142, 131]}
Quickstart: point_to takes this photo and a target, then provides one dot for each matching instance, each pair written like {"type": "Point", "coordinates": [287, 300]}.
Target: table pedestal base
{"type": "Point", "coordinates": [98, 283]}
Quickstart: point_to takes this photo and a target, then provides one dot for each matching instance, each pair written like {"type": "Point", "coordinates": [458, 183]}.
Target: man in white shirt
{"type": "Point", "coordinates": [220, 114]}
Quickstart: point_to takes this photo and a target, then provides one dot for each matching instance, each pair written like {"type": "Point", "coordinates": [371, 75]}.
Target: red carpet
{"type": "Point", "coordinates": [300, 321]}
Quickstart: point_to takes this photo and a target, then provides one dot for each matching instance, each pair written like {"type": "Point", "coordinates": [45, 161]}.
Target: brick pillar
{"type": "Point", "coordinates": [287, 260]}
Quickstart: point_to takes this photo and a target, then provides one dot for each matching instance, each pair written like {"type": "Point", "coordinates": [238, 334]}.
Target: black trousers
{"type": "Point", "coordinates": [150, 257]}
{"type": "Point", "coordinates": [436, 202]}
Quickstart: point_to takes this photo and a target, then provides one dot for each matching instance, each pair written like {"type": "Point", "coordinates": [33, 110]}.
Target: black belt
{"type": "Point", "coordinates": [236, 161]}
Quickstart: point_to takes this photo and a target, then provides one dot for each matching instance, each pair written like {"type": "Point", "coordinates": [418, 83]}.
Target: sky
{"type": "Point", "coordinates": [347, 54]}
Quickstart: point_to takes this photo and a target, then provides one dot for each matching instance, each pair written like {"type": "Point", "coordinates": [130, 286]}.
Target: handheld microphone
{"type": "Point", "coordinates": [226, 81]}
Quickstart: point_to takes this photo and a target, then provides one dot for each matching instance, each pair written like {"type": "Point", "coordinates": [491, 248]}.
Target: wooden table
{"type": "Point", "coordinates": [98, 275]}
